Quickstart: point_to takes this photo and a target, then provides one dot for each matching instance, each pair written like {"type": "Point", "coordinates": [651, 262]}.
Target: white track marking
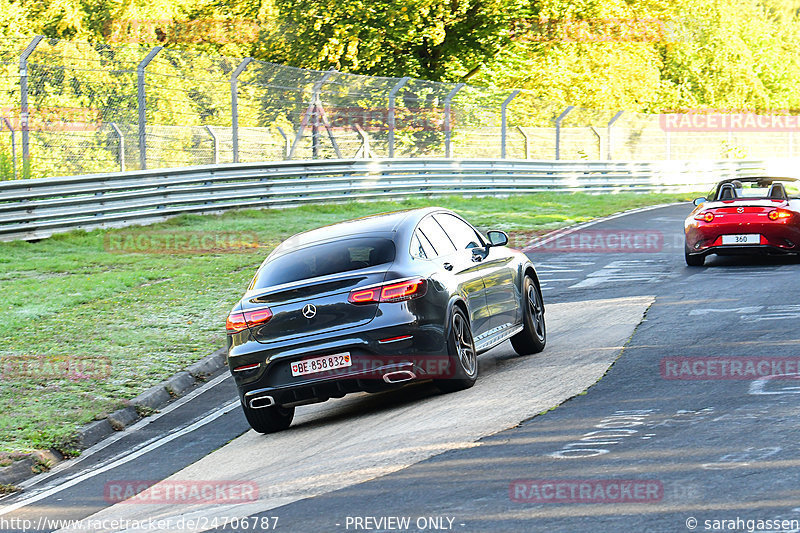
{"type": "Point", "coordinates": [108, 441]}
{"type": "Point", "coordinates": [125, 458]}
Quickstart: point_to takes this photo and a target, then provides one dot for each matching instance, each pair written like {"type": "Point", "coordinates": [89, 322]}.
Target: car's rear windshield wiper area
{"type": "Point", "coordinates": [325, 259]}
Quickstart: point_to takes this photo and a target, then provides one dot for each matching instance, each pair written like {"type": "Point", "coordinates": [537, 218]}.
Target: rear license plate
{"type": "Point", "coordinates": [750, 238]}
{"type": "Point", "coordinates": [321, 364]}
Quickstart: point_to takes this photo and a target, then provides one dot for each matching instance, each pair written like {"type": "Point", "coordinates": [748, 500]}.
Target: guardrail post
{"type": "Point", "coordinates": [286, 146]}
{"type": "Point", "coordinates": [23, 107]}
{"type": "Point", "coordinates": [558, 129]}
{"type": "Point", "coordinates": [609, 142]}
{"type": "Point", "coordinates": [527, 143]}
{"type": "Point", "coordinates": [392, 95]}
{"type": "Point", "coordinates": [121, 145]}
{"type": "Point", "coordinates": [216, 143]}
{"type": "Point", "coordinates": [504, 122]}
{"type": "Point", "coordinates": [143, 105]}
{"type": "Point", "coordinates": [235, 106]}
{"type": "Point", "coordinates": [447, 132]}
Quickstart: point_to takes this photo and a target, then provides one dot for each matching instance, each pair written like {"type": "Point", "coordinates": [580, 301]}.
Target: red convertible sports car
{"type": "Point", "coordinates": [745, 215]}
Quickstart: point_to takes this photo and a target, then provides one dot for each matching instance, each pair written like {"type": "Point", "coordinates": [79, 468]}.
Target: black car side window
{"type": "Point", "coordinates": [420, 247]}
{"type": "Point", "coordinates": [461, 233]}
{"type": "Point", "coordinates": [431, 230]}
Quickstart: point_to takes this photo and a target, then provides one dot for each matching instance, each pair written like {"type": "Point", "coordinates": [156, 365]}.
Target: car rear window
{"type": "Point", "coordinates": [761, 189]}
{"type": "Point", "coordinates": [325, 259]}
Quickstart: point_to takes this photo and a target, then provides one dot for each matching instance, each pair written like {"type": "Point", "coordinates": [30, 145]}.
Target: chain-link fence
{"type": "Point", "coordinates": [76, 108]}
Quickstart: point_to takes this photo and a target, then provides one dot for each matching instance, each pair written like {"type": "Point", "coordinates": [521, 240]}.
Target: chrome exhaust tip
{"type": "Point", "coordinates": [260, 402]}
{"type": "Point", "coordinates": [399, 376]}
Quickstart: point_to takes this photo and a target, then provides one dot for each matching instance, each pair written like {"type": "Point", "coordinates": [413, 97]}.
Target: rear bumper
{"type": "Point", "coordinates": [376, 379]}
{"type": "Point", "coordinates": [413, 352]}
{"type": "Point", "coordinates": [751, 249]}
{"type": "Point", "coordinates": [776, 238]}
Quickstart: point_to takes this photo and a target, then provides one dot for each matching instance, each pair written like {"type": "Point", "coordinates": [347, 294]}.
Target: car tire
{"type": "Point", "coordinates": [694, 260]}
{"type": "Point", "coordinates": [269, 419]}
{"type": "Point", "coordinates": [463, 357]}
{"type": "Point", "coordinates": [533, 337]}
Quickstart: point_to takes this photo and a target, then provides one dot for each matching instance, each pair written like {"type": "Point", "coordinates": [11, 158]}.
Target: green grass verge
{"type": "Point", "coordinates": [149, 315]}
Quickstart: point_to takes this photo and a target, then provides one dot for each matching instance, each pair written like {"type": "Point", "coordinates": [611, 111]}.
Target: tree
{"type": "Point", "coordinates": [431, 39]}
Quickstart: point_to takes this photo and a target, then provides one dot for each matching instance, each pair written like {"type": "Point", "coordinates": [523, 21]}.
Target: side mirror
{"type": "Point", "coordinates": [698, 201]}
{"type": "Point", "coordinates": [497, 238]}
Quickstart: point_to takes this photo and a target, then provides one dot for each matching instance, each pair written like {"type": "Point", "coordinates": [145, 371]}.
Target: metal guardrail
{"type": "Point", "coordinates": [37, 208]}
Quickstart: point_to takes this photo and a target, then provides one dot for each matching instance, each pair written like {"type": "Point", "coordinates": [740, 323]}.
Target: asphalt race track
{"type": "Point", "coordinates": [684, 432]}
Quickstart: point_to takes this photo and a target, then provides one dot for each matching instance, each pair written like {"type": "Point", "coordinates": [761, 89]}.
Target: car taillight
{"type": "Point", "coordinates": [390, 292]}
{"type": "Point", "coordinates": [240, 320]}
{"type": "Point", "coordinates": [779, 213]}
{"type": "Point", "coordinates": [708, 216]}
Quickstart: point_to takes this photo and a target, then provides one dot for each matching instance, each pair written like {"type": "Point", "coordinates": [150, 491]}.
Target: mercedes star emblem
{"type": "Point", "coordinates": [309, 311]}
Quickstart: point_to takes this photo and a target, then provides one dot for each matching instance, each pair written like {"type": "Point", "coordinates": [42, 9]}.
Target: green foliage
{"type": "Point", "coordinates": [6, 166]}
{"type": "Point", "coordinates": [648, 55]}
{"type": "Point", "coordinates": [431, 39]}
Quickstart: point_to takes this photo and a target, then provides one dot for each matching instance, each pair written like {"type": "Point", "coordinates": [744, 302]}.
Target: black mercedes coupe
{"type": "Point", "coordinates": [376, 303]}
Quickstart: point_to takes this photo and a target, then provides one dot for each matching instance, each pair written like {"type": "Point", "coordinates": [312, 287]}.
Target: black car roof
{"type": "Point", "coordinates": [758, 179]}
{"type": "Point", "coordinates": [383, 223]}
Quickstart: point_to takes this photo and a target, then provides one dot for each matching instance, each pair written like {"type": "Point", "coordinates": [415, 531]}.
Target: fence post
{"type": "Point", "coordinates": [527, 144]}
{"type": "Point", "coordinates": [312, 108]}
{"type": "Point", "coordinates": [121, 146]}
{"type": "Point", "coordinates": [286, 146]}
{"type": "Point", "coordinates": [216, 143]}
{"type": "Point", "coordinates": [668, 145]}
{"type": "Point", "coordinates": [558, 129]}
{"type": "Point", "coordinates": [316, 114]}
{"type": "Point", "coordinates": [447, 132]}
{"type": "Point", "coordinates": [143, 105]}
{"type": "Point", "coordinates": [23, 108]}
{"type": "Point", "coordinates": [609, 142]}
{"type": "Point", "coordinates": [364, 149]}
{"type": "Point", "coordinates": [235, 106]}
{"type": "Point", "coordinates": [392, 95]}
{"type": "Point", "coordinates": [504, 123]}
{"type": "Point", "coordinates": [599, 142]}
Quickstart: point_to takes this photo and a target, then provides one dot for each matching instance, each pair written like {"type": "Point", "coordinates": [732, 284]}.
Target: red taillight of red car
{"type": "Point", "coordinates": [778, 214]}
{"type": "Point", "coordinates": [390, 292]}
{"type": "Point", "coordinates": [240, 320]}
{"type": "Point", "coordinates": [707, 216]}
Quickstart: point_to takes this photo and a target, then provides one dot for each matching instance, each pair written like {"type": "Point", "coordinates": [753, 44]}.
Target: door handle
{"type": "Point", "coordinates": [447, 266]}
{"type": "Point", "coordinates": [476, 258]}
